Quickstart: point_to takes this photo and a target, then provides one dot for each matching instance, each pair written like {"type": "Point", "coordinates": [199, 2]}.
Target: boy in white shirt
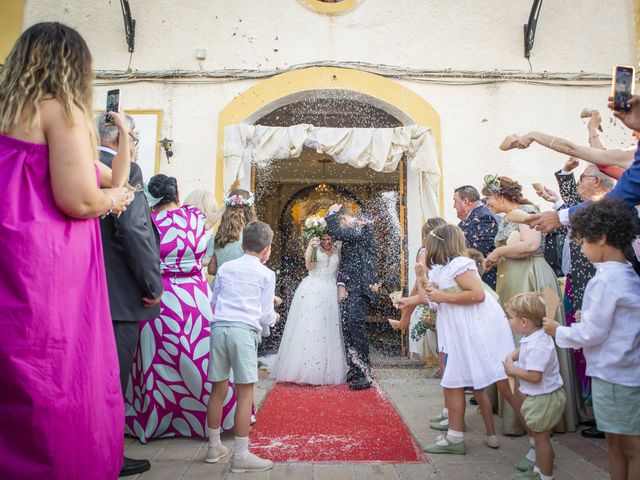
{"type": "Point", "coordinates": [538, 372]}
{"type": "Point", "coordinates": [609, 330]}
{"type": "Point", "coordinates": [243, 296]}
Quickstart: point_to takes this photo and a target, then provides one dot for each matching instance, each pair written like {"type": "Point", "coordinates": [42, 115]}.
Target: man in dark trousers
{"type": "Point", "coordinates": [357, 272]}
{"type": "Point", "coordinates": [131, 247]}
{"type": "Point", "coordinates": [478, 224]}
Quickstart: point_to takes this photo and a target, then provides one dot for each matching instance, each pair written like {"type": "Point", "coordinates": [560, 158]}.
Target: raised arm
{"type": "Point", "coordinates": [73, 173]}
{"type": "Point", "coordinates": [621, 158]}
{"type": "Point", "coordinates": [313, 243]}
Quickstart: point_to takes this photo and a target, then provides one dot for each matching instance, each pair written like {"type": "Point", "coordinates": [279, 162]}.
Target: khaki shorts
{"type": "Point", "coordinates": [543, 412]}
{"type": "Point", "coordinates": [234, 348]}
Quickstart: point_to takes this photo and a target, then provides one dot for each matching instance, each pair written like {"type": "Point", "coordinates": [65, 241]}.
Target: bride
{"type": "Point", "coordinates": [312, 349]}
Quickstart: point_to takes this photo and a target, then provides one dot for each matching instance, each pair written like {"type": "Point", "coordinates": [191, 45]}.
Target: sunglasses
{"type": "Point", "coordinates": [135, 139]}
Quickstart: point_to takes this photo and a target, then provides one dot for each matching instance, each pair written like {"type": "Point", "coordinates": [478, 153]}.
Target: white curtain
{"type": "Point", "coordinates": [377, 148]}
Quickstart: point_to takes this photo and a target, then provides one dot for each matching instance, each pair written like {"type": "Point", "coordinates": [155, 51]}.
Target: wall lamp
{"type": "Point", "coordinates": [167, 144]}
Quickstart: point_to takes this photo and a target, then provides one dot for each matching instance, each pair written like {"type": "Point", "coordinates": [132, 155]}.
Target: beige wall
{"type": "Point", "coordinates": [573, 36]}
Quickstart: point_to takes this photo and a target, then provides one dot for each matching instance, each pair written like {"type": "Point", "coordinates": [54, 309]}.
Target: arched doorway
{"type": "Point", "coordinates": [332, 98]}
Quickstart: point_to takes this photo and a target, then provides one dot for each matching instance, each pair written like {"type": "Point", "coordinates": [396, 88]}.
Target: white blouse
{"type": "Point", "coordinates": [609, 330]}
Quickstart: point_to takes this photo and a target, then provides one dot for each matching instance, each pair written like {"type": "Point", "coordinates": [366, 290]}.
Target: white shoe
{"type": "Point", "coordinates": [250, 463]}
{"type": "Point", "coordinates": [253, 419]}
{"type": "Point", "coordinates": [216, 453]}
{"type": "Point", "coordinates": [491, 441]}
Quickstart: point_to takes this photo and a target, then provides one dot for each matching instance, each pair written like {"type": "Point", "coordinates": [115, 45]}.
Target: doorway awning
{"type": "Point", "coordinates": [380, 149]}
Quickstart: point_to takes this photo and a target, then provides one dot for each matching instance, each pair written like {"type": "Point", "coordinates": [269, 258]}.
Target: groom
{"type": "Point", "coordinates": [358, 270]}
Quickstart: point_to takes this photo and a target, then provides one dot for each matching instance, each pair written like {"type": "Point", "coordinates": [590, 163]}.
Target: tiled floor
{"type": "Point", "coordinates": [416, 398]}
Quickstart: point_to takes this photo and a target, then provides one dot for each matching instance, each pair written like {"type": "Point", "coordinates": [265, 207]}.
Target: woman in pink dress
{"type": "Point", "coordinates": [169, 390]}
{"type": "Point", "coordinates": [61, 409]}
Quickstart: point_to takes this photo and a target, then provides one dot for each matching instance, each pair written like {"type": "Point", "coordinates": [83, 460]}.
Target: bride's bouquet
{"type": "Point", "coordinates": [314, 227]}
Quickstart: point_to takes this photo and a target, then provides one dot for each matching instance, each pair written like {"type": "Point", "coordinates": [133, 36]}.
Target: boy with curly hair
{"type": "Point", "coordinates": [609, 330]}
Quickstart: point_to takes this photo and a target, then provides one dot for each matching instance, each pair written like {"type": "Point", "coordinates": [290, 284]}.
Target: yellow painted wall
{"type": "Point", "coordinates": [11, 18]}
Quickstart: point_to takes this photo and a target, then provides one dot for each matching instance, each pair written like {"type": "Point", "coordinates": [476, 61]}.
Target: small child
{"type": "Point", "coordinates": [538, 370]}
{"type": "Point", "coordinates": [609, 330]}
{"type": "Point", "coordinates": [243, 296]}
{"type": "Point", "coordinates": [477, 337]}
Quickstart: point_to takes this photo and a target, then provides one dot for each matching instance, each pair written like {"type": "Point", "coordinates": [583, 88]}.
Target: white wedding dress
{"type": "Point", "coordinates": [312, 350]}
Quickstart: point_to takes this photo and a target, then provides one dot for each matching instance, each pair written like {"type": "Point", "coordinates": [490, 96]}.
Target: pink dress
{"type": "Point", "coordinates": [169, 391]}
{"type": "Point", "coordinates": [61, 408]}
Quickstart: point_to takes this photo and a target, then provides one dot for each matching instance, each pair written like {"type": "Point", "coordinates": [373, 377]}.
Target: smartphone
{"type": "Point", "coordinates": [113, 103]}
{"type": "Point", "coordinates": [622, 87]}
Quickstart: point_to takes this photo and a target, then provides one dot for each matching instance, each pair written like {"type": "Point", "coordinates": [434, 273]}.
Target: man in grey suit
{"type": "Point", "coordinates": [131, 244]}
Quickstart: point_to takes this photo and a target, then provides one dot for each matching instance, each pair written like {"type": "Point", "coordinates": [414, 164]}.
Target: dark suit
{"type": "Point", "coordinates": [582, 270]}
{"type": "Point", "coordinates": [131, 249]}
{"type": "Point", "coordinates": [480, 229]}
{"type": "Point", "coordinates": [358, 269]}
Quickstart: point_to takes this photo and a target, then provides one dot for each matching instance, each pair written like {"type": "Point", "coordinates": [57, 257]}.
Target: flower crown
{"type": "Point", "coordinates": [239, 201]}
{"type": "Point", "coordinates": [492, 183]}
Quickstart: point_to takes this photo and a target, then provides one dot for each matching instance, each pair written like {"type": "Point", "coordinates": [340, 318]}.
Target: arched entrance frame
{"type": "Point", "coordinates": [274, 92]}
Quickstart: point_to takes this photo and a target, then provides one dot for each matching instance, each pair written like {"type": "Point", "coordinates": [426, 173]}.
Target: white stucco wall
{"type": "Point", "coordinates": [572, 36]}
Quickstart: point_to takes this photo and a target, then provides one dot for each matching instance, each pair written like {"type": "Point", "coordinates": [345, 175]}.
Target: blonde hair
{"type": "Point", "coordinates": [444, 243]}
{"type": "Point", "coordinates": [206, 203]}
{"type": "Point", "coordinates": [429, 225]}
{"type": "Point", "coordinates": [478, 257]}
{"type": "Point", "coordinates": [234, 219]}
{"type": "Point", "coordinates": [48, 59]}
{"type": "Point", "coordinates": [529, 305]}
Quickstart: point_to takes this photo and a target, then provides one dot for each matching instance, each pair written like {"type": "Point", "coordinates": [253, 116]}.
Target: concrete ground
{"type": "Point", "coordinates": [416, 399]}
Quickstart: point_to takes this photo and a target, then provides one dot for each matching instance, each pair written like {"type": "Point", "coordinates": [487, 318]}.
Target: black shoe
{"type": "Point", "coordinates": [592, 432]}
{"type": "Point", "coordinates": [472, 400]}
{"type": "Point", "coordinates": [133, 467]}
{"type": "Point", "coordinates": [360, 384]}
{"type": "Point", "coordinates": [351, 376]}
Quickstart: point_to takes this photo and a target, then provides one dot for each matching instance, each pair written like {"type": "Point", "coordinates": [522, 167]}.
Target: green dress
{"type": "Point", "coordinates": [533, 274]}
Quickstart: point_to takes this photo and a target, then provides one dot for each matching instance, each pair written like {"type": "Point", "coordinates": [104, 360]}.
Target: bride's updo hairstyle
{"type": "Point", "coordinates": [444, 243]}
{"type": "Point", "coordinates": [163, 187]}
{"type": "Point", "coordinates": [504, 187]}
{"type": "Point", "coordinates": [238, 212]}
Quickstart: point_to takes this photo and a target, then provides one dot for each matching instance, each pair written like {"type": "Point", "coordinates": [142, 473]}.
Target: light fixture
{"type": "Point", "coordinates": [166, 145]}
{"type": "Point", "coordinates": [323, 188]}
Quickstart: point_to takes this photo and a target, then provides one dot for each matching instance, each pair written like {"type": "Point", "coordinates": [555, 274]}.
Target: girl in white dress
{"type": "Point", "coordinates": [312, 350]}
{"type": "Point", "coordinates": [478, 337]}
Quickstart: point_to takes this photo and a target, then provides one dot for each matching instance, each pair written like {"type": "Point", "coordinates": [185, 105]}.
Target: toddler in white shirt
{"type": "Point", "coordinates": [609, 330]}
{"type": "Point", "coordinates": [243, 296]}
{"type": "Point", "coordinates": [538, 372]}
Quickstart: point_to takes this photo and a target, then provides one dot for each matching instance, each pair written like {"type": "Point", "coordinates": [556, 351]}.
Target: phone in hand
{"type": "Point", "coordinates": [622, 87]}
{"type": "Point", "coordinates": [113, 103]}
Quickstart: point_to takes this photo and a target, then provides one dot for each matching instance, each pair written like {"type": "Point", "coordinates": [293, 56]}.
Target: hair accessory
{"type": "Point", "coordinates": [436, 236]}
{"type": "Point", "coordinates": [492, 183]}
{"type": "Point", "coordinates": [153, 201]}
{"type": "Point", "coordinates": [239, 201]}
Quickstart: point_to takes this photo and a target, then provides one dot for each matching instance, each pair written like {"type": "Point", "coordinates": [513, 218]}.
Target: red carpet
{"type": "Point", "coordinates": [331, 424]}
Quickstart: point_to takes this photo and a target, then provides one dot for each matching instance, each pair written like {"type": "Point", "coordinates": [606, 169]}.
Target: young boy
{"type": "Point", "coordinates": [609, 330]}
{"type": "Point", "coordinates": [243, 296]}
{"type": "Point", "coordinates": [539, 373]}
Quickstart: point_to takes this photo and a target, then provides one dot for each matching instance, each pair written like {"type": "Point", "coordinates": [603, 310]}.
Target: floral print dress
{"type": "Point", "coordinates": [168, 390]}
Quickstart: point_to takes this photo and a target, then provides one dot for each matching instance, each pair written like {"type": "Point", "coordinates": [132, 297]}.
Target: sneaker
{"type": "Point", "coordinates": [442, 425]}
{"type": "Point", "coordinates": [216, 453]}
{"type": "Point", "coordinates": [250, 463]}
{"type": "Point", "coordinates": [491, 441]}
{"type": "Point", "coordinates": [525, 465]}
{"type": "Point", "coordinates": [253, 419]}
{"type": "Point", "coordinates": [437, 419]}
{"type": "Point", "coordinates": [528, 475]}
{"type": "Point", "coordinates": [448, 447]}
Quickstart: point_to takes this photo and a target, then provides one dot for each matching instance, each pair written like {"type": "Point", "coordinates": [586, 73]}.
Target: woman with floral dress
{"type": "Point", "coordinates": [169, 390]}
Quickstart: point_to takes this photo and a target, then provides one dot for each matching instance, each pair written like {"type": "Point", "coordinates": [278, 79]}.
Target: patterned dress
{"type": "Point", "coordinates": [169, 391]}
